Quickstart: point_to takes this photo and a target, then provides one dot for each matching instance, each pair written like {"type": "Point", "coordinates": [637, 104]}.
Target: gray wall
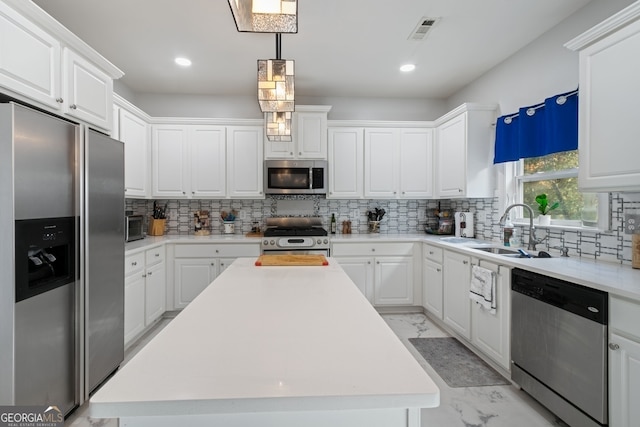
{"type": "Point", "coordinates": [541, 69]}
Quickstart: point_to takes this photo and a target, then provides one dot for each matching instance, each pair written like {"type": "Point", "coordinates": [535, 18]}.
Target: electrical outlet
{"type": "Point", "coordinates": [631, 223]}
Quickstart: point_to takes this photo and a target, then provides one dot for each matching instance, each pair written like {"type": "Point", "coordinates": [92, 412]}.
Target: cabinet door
{"type": "Point", "coordinates": [451, 157]}
{"type": "Point", "coordinates": [88, 91]}
{"type": "Point", "coordinates": [134, 132]}
{"type": "Point", "coordinates": [491, 332]}
{"type": "Point", "coordinates": [380, 163]}
{"type": "Point", "coordinates": [416, 163]}
{"type": "Point", "coordinates": [624, 381]}
{"type": "Point", "coordinates": [311, 135]}
{"type": "Point", "coordinates": [393, 281]}
{"type": "Point", "coordinates": [360, 271]}
{"type": "Point", "coordinates": [192, 276]}
{"type": "Point", "coordinates": [207, 151]}
{"type": "Point", "coordinates": [432, 294]}
{"type": "Point", "coordinates": [608, 146]}
{"type": "Point", "coordinates": [134, 317]}
{"type": "Point", "coordinates": [457, 281]}
{"type": "Point", "coordinates": [155, 293]}
{"type": "Point", "coordinates": [346, 160]}
{"type": "Point", "coordinates": [245, 162]}
{"type": "Point", "coordinates": [29, 59]}
{"type": "Point", "coordinates": [169, 157]}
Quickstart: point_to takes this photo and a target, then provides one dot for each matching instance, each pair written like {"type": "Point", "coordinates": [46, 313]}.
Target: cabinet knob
{"type": "Point", "coordinates": [157, 254]}
{"type": "Point", "coordinates": [613, 346]}
{"type": "Point", "coordinates": [430, 252]}
{"type": "Point", "coordinates": [373, 249]}
{"type": "Point", "coordinates": [134, 263]}
{"type": "Point", "coordinates": [213, 263]}
{"type": "Point", "coordinates": [300, 153]}
{"type": "Point", "coordinates": [404, 192]}
{"type": "Point", "coordinates": [73, 106]}
{"type": "Point", "coordinates": [368, 262]}
{"type": "Point", "coordinates": [378, 262]}
{"type": "Point", "coordinates": [459, 190]}
{"type": "Point", "coordinates": [217, 251]}
{"type": "Point", "coordinates": [438, 270]}
{"type": "Point", "coordinates": [291, 153]}
{"type": "Point", "coordinates": [465, 262]}
{"type": "Point", "coordinates": [144, 275]}
{"type": "Point", "coordinates": [150, 273]}
{"type": "Point", "coordinates": [59, 100]}
{"type": "Point", "coordinates": [193, 192]}
{"type": "Point", "coordinates": [395, 192]}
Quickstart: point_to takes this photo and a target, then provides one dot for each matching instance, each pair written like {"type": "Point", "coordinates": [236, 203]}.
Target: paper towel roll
{"type": "Point", "coordinates": [464, 224]}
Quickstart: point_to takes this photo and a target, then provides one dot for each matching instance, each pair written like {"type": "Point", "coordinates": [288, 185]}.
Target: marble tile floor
{"type": "Point", "coordinates": [491, 406]}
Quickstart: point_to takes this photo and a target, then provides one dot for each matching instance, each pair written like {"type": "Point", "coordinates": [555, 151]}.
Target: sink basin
{"type": "Point", "coordinates": [500, 251]}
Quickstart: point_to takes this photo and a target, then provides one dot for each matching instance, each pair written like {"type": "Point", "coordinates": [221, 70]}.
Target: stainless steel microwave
{"type": "Point", "coordinates": [295, 177]}
{"type": "Point", "coordinates": [134, 229]}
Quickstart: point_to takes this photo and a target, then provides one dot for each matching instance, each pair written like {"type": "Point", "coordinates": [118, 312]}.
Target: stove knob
{"type": "Point", "coordinates": [266, 242]}
{"type": "Point", "coordinates": [319, 241]}
{"type": "Point", "coordinates": [273, 242]}
{"type": "Point", "coordinates": [326, 241]}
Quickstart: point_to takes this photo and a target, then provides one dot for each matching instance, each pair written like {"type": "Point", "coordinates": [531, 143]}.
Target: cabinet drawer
{"type": "Point", "coordinates": [133, 263]}
{"type": "Point", "coordinates": [372, 249]}
{"type": "Point", "coordinates": [433, 253]}
{"type": "Point", "coordinates": [154, 256]}
{"type": "Point", "coordinates": [624, 315]}
{"type": "Point", "coordinates": [230, 250]}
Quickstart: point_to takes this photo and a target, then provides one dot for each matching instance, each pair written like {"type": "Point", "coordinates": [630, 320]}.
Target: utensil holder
{"type": "Point", "coordinates": [156, 227]}
{"type": "Point", "coordinates": [374, 226]}
{"type": "Point", "coordinates": [229, 227]}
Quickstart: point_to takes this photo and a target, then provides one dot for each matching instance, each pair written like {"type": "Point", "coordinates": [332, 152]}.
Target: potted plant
{"type": "Point", "coordinates": [544, 208]}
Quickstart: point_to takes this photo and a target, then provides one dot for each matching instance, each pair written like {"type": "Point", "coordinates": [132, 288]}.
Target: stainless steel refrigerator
{"type": "Point", "coordinates": [61, 258]}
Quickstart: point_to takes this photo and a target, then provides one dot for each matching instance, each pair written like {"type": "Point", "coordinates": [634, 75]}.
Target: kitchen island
{"type": "Point", "coordinates": [281, 346]}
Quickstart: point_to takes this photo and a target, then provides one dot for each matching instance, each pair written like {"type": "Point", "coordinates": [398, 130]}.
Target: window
{"type": "Point", "coordinates": [556, 175]}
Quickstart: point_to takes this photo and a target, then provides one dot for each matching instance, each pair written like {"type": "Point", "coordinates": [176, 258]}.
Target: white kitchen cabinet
{"type": "Point", "coordinates": [169, 161]}
{"type": "Point", "coordinates": [133, 130]}
{"type": "Point", "coordinates": [432, 280]}
{"type": "Point", "coordinates": [144, 291]}
{"type": "Point", "coordinates": [346, 163]}
{"type": "Point", "coordinates": [309, 135]}
{"type": "Point", "coordinates": [393, 284]}
{"type": "Point", "coordinates": [29, 59]}
{"type": "Point", "coordinates": [207, 154]}
{"type": "Point", "coordinates": [398, 163]}
{"type": "Point", "coordinates": [245, 163]}
{"type": "Point", "coordinates": [490, 333]}
{"type": "Point", "coordinates": [88, 91]}
{"type": "Point", "coordinates": [624, 362]}
{"type": "Point", "coordinates": [609, 86]}
{"type": "Point", "coordinates": [385, 272]}
{"type": "Point", "coordinates": [464, 149]}
{"type": "Point", "coordinates": [197, 265]}
{"type": "Point", "coordinates": [457, 281]}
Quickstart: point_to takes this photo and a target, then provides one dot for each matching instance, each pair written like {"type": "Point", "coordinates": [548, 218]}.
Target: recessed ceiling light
{"type": "Point", "coordinates": [183, 62]}
{"type": "Point", "coordinates": [407, 67]}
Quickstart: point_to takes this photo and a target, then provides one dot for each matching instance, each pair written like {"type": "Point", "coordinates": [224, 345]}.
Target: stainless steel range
{"type": "Point", "coordinates": [295, 236]}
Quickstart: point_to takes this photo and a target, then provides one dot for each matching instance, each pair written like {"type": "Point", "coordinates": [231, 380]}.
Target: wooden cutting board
{"type": "Point", "coordinates": [291, 260]}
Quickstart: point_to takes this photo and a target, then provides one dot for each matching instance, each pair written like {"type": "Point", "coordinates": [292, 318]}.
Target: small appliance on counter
{"type": "Point", "coordinates": [445, 222]}
{"type": "Point", "coordinates": [464, 224]}
{"type": "Point", "coordinates": [134, 229]}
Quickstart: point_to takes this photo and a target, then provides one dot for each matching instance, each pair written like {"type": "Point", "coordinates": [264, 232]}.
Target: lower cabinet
{"type": "Point", "coordinates": [457, 280]}
{"type": "Point", "coordinates": [432, 280]}
{"type": "Point", "coordinates": [490, 332]}
{"type": "Point", "coordinates": [624, 363]}
{"type": "Point", "coordinates": [197, 265]}
{"type": "Point", "coordinates": [144, 291]}
{"type": "Point", "coordinates": [384, 272]}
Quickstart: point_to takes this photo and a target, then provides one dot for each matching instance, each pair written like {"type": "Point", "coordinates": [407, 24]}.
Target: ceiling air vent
{"type": "Point", "coordinates": [422, 29]}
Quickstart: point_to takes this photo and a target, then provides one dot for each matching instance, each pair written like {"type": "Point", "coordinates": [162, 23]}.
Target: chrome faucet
{"type": "Point", "coordinates": [533, 240]}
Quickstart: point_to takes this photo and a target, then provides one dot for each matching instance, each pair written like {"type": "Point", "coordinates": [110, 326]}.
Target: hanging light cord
{"type": "Point", "coordinates": [278, 46]}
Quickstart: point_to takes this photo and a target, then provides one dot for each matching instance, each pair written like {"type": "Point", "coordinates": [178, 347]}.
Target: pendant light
{"type": "Point", "coordinates": [265, 16]}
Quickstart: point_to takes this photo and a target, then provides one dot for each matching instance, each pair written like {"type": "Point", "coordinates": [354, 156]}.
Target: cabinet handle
{"type": "Point", "coordinates": [438, 270]}
{"type": "Point", "coordinates": [213, 263]}
{"type": "Point", "coordinates": [193, 192]}
{"type": "Point", "coordinates": [217, 251]}
{"type": "Point", "coordinates": [395, 192]}
{"type": "Point", "coordinates": [404, 192]}
{"type": "Point", "coordinates": [613, 346]}
{"type": "Point", "coordinates": [184, 192]}
{"type": "Point", "coordinates": [373, 249]}
{"type": "Point", "coordinates": [465, 262]}
{"type": "Point", "coordinates": [300, 153]}
{"type": "Point", "coordinates": [134, 263]}
{"type": "Point", "coordinates": [368, 262]}
{"type": "Point", "coordinates": [430, 252]}
{"type": "Point", "coordinates": [459, 190]}
{"type": "Point", "coordinates": [291, 153]}
{"type": "Point", "coordinates": [157, 254]}
{"type": "Point", "coordinates": [59, 100]}
{"type": "Point", "coordinates": [150, 273]}
{"type": "Point", "coordinates": [378, 262]}
{"type": "Point", "coordinates": [144, 275]}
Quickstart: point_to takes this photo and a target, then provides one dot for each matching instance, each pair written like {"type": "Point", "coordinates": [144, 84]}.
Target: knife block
{"type": "Point", "coordinates": [635, 251]}
{"type": "Point", "coordinates": [156, 227]}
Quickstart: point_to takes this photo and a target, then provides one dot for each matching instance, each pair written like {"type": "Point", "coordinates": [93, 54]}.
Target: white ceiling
{"type": "Point", "coordinates": [342, 48]}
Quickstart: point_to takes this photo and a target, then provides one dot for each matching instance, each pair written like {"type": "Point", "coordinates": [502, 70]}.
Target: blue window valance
{"type": "Point", "coordinates": [538, 130]}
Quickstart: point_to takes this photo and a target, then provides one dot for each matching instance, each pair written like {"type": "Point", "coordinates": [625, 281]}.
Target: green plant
{"type": "Point", "coordinates": [543, 204]}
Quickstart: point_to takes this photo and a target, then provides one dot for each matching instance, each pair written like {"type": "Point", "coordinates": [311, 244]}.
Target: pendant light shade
{"type": "Point", "coordinates": [265, 16]}
{"type": "Point", "coordinates": [276, 85]}
{"type": "Point", "coordinates": [278, 126]}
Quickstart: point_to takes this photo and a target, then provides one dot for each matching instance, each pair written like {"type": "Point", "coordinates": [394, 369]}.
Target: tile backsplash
{"type": "Point", "coordinates": [402, 216]}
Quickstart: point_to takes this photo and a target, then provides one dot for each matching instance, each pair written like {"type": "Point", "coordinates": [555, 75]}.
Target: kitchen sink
{"type": "Point", "coordinates": [499, 251]}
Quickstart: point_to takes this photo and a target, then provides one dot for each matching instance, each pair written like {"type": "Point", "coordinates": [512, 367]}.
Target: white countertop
{"type": "Point", "coordinates": [617, 279]}
{"type": "Point", "coordinates": [263, 339]}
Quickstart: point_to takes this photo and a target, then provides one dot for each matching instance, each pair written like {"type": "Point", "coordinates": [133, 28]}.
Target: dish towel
{"type": "Point", "coordinates": [483, 288]}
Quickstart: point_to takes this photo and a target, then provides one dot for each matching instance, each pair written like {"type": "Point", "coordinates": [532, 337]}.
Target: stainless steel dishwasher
{"type": "Point", "coordinates": [558, 346]}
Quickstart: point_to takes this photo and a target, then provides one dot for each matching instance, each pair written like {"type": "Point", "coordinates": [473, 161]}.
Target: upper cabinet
{"type": "Point", "coordinates": [131, 126]}
{"type": "Point", "coordinates": [309, 139]}
{"type": "Point", "coordinates": [464, 152]}
{"type": "Point", "coordinates": [43, 63]}
{"type": "Point", "coordinates": [244, 162]}
{"type": "Point", "coordinates": [608, 145]}
{"type": "Point", "coordinates": [346, 163]}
